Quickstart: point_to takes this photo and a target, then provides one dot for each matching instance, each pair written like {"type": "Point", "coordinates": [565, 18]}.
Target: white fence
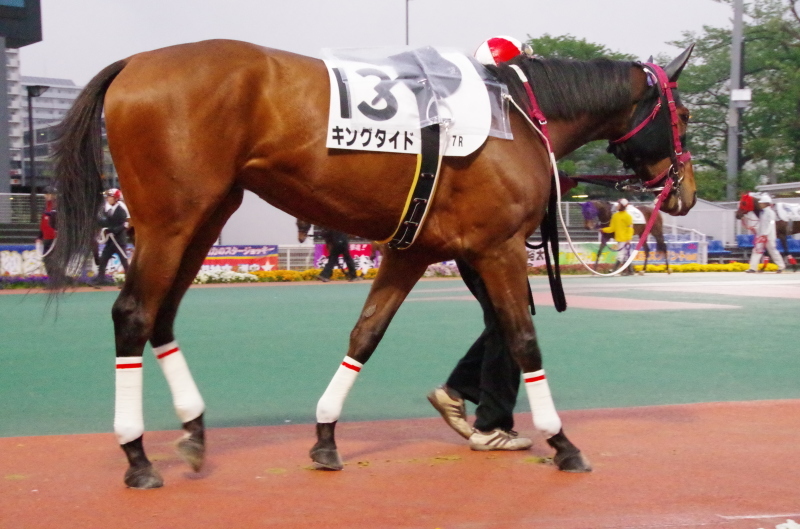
{"type": "Point", "coordinates": [15, 208]}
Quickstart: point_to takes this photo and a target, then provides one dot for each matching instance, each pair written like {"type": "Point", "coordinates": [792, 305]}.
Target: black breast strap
{"type": "Point", "coordinates": [422, 189]}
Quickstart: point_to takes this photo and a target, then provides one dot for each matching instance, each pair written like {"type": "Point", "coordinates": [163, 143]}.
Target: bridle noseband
{"type": "Point", "coordinates": [658, 77]}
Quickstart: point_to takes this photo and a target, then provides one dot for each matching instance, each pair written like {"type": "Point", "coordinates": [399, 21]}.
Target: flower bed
{"type": "Point", "coordinates": [435, 270]}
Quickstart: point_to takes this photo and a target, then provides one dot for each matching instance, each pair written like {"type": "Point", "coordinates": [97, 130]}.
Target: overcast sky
{"type": "Point", "coordinates": [83, 36]}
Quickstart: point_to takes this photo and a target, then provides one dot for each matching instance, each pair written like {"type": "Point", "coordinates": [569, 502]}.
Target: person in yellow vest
{"type": "Point", "coordinates": [621, 226]}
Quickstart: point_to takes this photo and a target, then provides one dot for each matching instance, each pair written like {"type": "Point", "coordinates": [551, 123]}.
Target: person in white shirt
{"type": "Point", "coordinates": [765, 237]}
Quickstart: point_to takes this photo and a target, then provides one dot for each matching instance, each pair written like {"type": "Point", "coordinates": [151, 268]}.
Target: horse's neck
{"type": "Point", "coordinates": [600, 123]}
{"type": "Point", "coordinates": [603, 213]}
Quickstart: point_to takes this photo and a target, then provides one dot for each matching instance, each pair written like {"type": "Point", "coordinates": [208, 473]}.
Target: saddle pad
{"type": "Point", "coordinates": [380, 100]}
{"type": "Point", "coordinates": [636, 213]}
{"type": "Point", "coordinates": [787, 211]}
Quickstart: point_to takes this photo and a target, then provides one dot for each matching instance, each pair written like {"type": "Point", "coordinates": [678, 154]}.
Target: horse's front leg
{"type": "Point", "coordinates": [504, 273]}
{"type": "Point", "coordinates": [396, 277]}
{"type": "Point", "coordinates": [646, 257]}
{"type": "Point", "coordinates": [603, 241]}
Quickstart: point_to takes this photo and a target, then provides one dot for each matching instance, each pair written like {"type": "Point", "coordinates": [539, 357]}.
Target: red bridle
{"type": "Point", "coordinates": [658, 76]}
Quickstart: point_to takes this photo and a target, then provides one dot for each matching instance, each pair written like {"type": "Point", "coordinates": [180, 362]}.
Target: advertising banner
{"type": "Point", "coordinates": [679, 252]}
{"type": "Point", "coordinates": [242, 258]}
{"type": "Point", "coordinates": [26, 260]}
{"type": "Point", "coordinates": [587, 251]}
{"type": "Point", "coordinates": [20, 260]}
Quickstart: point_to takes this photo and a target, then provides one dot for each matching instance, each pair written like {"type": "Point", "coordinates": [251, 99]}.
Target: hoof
{"type": "Point", "coordinates": [192, 451]}
{"type": "Point", "coordinates": [573, 462]}
{"type": "Point", "coordinates": [326, 459]}
{"type": "Point", "coordinates": [143, 478]}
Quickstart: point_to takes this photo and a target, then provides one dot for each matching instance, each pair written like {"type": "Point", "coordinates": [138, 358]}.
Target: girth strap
{"type": "Point", "coordinates": [422, 189]}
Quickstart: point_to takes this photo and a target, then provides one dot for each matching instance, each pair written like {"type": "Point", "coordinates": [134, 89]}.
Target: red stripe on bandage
{"type": "Point", "coordinates": [535, 379]}
{"type": "Point", "coordinates": [167, 353]}
{"type": "Point", "coordinates": [351, 366]}
{"type": "Point", "coordinates": [128, 366]}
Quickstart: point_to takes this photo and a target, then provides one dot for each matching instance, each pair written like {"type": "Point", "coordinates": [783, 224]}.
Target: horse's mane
{"type": "Point", "coordinates": [567, 89]}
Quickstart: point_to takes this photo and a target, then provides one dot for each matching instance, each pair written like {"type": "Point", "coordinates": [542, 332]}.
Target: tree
{"type": "Point", "coordinates": [770, 127]}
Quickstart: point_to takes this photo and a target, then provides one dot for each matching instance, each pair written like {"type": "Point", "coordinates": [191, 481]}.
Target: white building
{"type": "Point", "coordinates": [51, 107]}
{"type": "Point", "coordinates": [15, 103]}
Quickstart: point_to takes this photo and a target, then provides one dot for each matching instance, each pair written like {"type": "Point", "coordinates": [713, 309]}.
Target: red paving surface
{"type": "Point", "coordinates": [719, 465]}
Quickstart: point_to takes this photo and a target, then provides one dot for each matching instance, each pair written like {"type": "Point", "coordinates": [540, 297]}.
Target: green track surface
{"type": "Point", "coordinates": [263, 355]}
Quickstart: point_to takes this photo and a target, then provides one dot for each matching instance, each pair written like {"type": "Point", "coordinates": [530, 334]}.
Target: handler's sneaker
{"type": "Point", "coordinates": [498, 439]}
{"type": "Point", "coordinates": [453, 411]}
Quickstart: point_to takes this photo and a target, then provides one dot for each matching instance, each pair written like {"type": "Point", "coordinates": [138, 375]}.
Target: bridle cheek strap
{"type": "Point", "coordinates": [657, 75]}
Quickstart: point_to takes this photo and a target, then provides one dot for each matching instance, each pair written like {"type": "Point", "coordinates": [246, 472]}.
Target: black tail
{"type": "Point", "coordinates": [78, 176]}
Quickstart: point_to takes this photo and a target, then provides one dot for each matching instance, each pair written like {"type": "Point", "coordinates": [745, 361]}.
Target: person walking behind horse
{"type": "Point", "coordinates": [113, 219]}
{"type": "Point", "coordinates": [486, 375]}
{"type": "Point", "coordinates": [765, 237]}
{"type": "Point", "coordinates": [338, 244]}
{"type": "Point", "coordinates": [621, 226]}
{"type": "Point", "coordinates": [47, 228]}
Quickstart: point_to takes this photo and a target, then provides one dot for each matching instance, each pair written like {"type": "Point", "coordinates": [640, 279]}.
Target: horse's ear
{"type": "Point", "coordinates": [674, 69]}
{"type": "Point", "coordinates": [650, 60]}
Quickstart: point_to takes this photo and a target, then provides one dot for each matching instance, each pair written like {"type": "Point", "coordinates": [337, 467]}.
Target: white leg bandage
{"type": "Point", "coordinates": [128, 417]}
{"type": "Point", "coordinates": [185, 395]}
{"type": "Point", "coordinates": [545, 417]}
{"type": "Point", "coordinates": [330, 404]}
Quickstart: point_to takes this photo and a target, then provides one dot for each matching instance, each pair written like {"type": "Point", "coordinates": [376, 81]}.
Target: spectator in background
{"type": "Point", "coordinates": [621, 226]}
{"type": "Point", "coordinates": [114, 221]}
{"type": "Point", "coordinates": [47, 227]}
{"type": "Point", "coordinates": [765, 237]}
{"type": "Point", "coordinates": [338, 243]}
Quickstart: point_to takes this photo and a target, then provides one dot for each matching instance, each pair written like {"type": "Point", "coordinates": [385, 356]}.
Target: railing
{"type": "Point", "coordinates": [295, 257]}
{"type": "Point", "coordinates": [15, 208]}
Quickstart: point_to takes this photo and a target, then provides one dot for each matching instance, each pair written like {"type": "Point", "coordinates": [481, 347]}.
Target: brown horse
{"type": "Point", "coordinates": [190, 127]}
{"type": "Point", "coordinates": [597, 214]}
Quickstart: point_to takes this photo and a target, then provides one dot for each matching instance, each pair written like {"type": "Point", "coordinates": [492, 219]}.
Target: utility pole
{"type": "Point", "coordinates": [739, 99]}
{"type": "Point", "coordinates": [407, 22]}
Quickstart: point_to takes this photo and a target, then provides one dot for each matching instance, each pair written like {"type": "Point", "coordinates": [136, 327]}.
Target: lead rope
{"type": "Point", "coordinates": [554, 165]}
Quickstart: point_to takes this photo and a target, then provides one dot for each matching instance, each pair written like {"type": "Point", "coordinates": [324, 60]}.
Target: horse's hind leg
{"type": "Point", "coordinates": [504, 272]}
{"type": "Point", "coordinates": [186, 398]}
{"type": "Point", "coordinates": [661, 246]}
{"type": "Point", "coordinates": [396, 277]}
{"type": "Point", "coordinates": [157, 264]}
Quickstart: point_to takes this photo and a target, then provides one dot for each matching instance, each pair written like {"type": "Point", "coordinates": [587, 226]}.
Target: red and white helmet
{"type": "Point", "coordinates": [114, 192]}
{"type": "Point", "coordinates": [498, 49]}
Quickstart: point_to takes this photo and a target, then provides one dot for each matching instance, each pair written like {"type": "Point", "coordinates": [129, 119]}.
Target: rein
{"type": "Point", "coordinates": [669, 176]}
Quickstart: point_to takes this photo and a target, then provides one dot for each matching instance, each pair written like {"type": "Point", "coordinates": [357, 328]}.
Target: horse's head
{"type": "Point", "coordinates": [589, 212]}
{"type": "Point", "coordinates": [303, 228]}
{"type": "Point", "coordinates": [746, 204]}
{"type": "Point", "coordinates": [653, 147]}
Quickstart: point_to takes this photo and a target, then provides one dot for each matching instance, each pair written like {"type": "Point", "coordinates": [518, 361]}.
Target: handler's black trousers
{"type": "Point", "coordinates": [108, 251]}
{"type": "Point", "coordinates": [336, 250]}
{"type": "Point", "coordinates": [487, 375]}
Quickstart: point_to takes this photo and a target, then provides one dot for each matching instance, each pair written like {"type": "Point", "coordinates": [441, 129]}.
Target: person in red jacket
{"type": "Point", "coordinates": [47, 227]}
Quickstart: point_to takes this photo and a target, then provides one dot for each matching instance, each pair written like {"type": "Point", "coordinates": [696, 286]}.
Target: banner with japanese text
{"type": "Point", "coordinates": [242, 258]}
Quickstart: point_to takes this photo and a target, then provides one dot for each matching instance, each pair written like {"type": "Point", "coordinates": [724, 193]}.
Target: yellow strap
{"type": "Point", "coordinates": [408, 200]}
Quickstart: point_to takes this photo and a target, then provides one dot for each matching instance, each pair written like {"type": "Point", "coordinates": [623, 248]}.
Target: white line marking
{"type": "Point", "coordinates": [758, 516]}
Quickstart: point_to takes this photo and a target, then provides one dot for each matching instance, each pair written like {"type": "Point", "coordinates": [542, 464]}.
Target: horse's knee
{"type": "Point", "coordinates": [526, 353]}
{"type": "Point", "coordinates": [132, 326]}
